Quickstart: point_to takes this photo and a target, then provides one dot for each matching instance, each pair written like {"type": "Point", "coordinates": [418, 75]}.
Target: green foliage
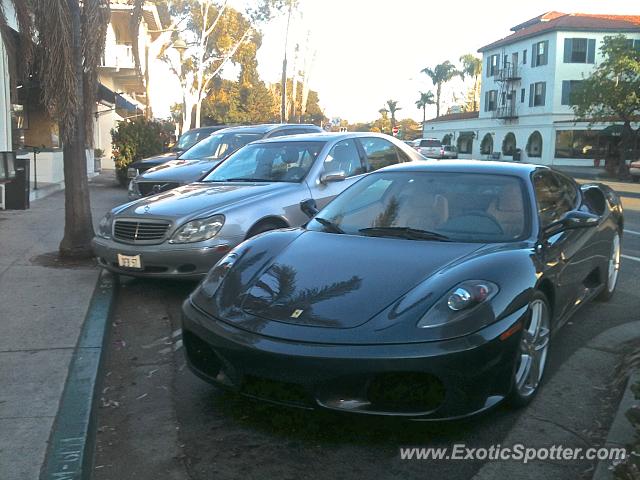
{"type": "Point", "coordinates": [136, 139]}
{"type": "Point", "coordinates": [614, 86]}
{"type": "Point", "coordinates": [426, 98]}
{"type": "Point", "coordinates": [613, 89]}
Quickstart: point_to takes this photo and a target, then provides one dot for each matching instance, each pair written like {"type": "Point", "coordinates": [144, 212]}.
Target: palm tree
{"type": "Point", "coordinates": [426, 98]}
{"type": "Point", "coordinates": [440, 74]}
{"type": "Point", "coordinates": [393, 108]}
{"type": "Point", "coordinates": [472, 67]}
{"type": "Point", "coordinates": [70, 36]}
{"type": "Point", "coordinates": [383, 114]}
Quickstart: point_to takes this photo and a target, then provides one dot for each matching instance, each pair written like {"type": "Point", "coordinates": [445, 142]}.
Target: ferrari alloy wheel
{"type": "Point", "coordinates": [531, 357]}
{"type": "Point", "coordinates": [613, 270]}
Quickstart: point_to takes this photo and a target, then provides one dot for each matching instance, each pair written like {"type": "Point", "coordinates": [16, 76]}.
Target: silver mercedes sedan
{"type": "Point", "coordinates": [182, 233]}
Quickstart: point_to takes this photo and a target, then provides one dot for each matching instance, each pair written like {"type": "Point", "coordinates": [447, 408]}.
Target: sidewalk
{"type": "Point", "coordinates": [42, 309]}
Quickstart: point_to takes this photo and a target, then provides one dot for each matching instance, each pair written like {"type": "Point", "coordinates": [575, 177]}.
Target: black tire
{"type": "Point", "coordinates": [263, 227]}
{"type": "Point", "coordinates": [520, 397]}
{"type": "Point", "coordinates": [608, 291]}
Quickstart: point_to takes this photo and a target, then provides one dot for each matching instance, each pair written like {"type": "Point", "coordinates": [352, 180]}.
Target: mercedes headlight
{"type": "Point", "coordinates": [198, 230]}
{"type": "Point", "coordinates": [458, 303]}
{"type": "Point", "coordinates": [104, 227]}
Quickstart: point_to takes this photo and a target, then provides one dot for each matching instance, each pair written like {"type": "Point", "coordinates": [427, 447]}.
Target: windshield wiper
{"type": "Point", "coordinates": [329, 225]}
{"type": "Point", "coordinates": [404, 232]}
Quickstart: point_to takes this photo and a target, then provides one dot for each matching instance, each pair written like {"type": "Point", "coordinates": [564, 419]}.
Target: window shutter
{"type": "Point", "coordinates": [566, 92]}
{"type": "Point", "coordinates": [591, 50]}
{"type": "Point", "coordinates": [546, 53]}
{"type": "Point", "coordinates": [488, 66]}
{"type": "Point", "coordinates": [532, 93]}
{"type": "Point", "coordinates": [544, 93]}
{"type": "Point", "coordinates": [568, 47]}
{"type": "Point", "coordinates": [486, 101]}
{"type": "Point", "coordinates": [533, 55]}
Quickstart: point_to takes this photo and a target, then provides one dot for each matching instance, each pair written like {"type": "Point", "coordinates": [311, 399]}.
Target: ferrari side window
{"type": "Point", "coordinates": [553, 200]}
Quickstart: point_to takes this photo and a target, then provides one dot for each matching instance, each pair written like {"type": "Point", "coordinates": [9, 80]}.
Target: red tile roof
{"type": "Point", "coordinates": [553, 21]}
{"type": "Point", "coordinates": [453, 116]}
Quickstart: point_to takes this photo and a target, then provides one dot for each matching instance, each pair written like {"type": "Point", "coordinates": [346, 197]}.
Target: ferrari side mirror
{"type": "Point", "coordinates": [572, 220]}
{"type": "Point", "coordinates": [309, 207]}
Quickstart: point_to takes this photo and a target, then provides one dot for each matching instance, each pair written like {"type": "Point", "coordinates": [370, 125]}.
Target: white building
{"type": "Point", "coordinates": [526, 82]}
{"type": "Point", "coordinates": [123, 88]}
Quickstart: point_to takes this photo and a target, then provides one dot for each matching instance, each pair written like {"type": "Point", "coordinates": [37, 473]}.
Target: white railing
{"type": "Point", "coordinates": [118, 56]}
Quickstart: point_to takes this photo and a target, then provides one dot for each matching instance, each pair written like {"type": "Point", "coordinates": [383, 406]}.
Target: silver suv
{"type": "Point", "coordinates": [185, 231]}
{"type": "Point", "coordinates": [429, 147]}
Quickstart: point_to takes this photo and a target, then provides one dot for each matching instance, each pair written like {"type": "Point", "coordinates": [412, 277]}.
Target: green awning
{"type": "Point", "coordinates": [612, 130]}
{"type": "Point", "coordinates": [466, 134]}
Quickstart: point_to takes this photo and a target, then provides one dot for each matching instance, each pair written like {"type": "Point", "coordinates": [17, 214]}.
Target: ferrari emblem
{"type": "Point", "coordinates": [296, 313]}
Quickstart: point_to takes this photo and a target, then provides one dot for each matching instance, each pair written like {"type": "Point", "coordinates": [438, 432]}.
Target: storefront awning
{"type": "Point", "coordinates": [466, 135]}
{"type": "Point", "coordinates": [107, 95]}
{"type": "Point", "coordinates": [612, 130]}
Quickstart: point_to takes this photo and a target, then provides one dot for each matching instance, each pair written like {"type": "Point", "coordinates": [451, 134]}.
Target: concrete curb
{"type": "Point", "coordinates": [549, 421]}
{"type": "Point", "coordinates": [71, 443]}
{"type": "Point", "coordinates": [621, 433]}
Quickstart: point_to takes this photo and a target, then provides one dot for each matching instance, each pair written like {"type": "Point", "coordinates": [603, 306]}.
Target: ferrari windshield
{"type": "Point", "coordinates": [268, 162]}
{"type": "Point", "coordinates": [439, 206]}
{"type": "Point", "coordinates": [219, 146]}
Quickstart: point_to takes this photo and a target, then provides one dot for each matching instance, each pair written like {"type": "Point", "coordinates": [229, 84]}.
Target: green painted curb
{"type": "Point", "coordinates": [72, 441]}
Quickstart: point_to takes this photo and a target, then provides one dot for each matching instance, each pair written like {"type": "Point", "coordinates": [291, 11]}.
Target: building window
{"type": "Point", "coordinates": [540, 54]}
{"type": "Point", "coordinates": [580, 144]}
{"type": "Point", "coordinates": [465, 142]}
{"type": "Point", "coordinates": [633, 43]}
{"type": "Point", "coordinates": [568, 88]}
{"type": "Point", "coordinates": [524, 57]}
{"type": "Point", "coordinates": [509, 144]}
{"type": "Point", "coordinates": [579, 50]}
{"type": "Point", "coordinates": [493, 62]}
{"type": "Point", "coordinates": [486, 146]}
{"type": "Point", "coordinates": [491, 101]}
{"type": "Point", "coordinates": [537, 93]}
{"type": "Point", "coordinates": [522, 94]}
{"type": "Point", "coordinates": [534, 145]}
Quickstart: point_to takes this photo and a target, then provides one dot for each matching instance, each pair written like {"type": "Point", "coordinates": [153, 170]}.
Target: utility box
{"type": "Point", "coordinates": [17, 190]}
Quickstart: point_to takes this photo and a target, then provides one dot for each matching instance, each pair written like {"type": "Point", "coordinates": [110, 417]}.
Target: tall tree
{"type": "Point", "coordinates": [426, 98]}
{"type": "Point", "coordinates": [472, 68]}
{"type": "Point", "coordinates": [612, 90]}
{"type": "Point", "coordinates": [70, 40]}
{"type": "Point", "coordinates": [392, 106]}
{"type": "Point", "coordinates": [213, 32]}
{"type": "Point", "coordinates": [440, 74]}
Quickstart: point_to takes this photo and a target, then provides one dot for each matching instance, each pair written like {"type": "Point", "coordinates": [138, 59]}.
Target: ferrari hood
{"type": "Point", "coordinates": [182, 171]}
{"type": "Point", "coordinates": [342, 281]}
{"type": "Point", "coordinates": [198, 199]}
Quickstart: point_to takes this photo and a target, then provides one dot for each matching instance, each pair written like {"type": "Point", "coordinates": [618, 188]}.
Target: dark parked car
{"type": "Point", "coordinates": [207, 154]}
{"type": "Point", "coordinates": [424, 290]}
{"type": "Point", "coordinates": [186, 141]}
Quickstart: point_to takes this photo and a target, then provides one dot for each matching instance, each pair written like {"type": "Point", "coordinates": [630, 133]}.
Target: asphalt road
{"type": "Point", "coordinates": [158, 421]}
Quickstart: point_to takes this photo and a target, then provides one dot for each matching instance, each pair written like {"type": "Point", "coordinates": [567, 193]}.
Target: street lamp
{"type": "Point", "coordinates": [181, 46]}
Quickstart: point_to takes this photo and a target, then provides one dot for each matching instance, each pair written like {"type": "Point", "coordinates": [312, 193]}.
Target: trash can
{"type": "Point", "coordinates": [517, 155]}
{"type": "Point", "coordinates": [17, 191]}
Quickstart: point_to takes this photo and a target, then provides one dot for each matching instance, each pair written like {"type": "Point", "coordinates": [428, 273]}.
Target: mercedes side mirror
{"type": "Point", "coordinates": [335, 176]}
{"type": "Point", "coordinates": [309, 207]}
{"type": "Point", "coordinates": [572, 220]}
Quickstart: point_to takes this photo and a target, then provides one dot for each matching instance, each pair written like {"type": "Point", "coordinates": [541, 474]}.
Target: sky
{"type": "Point", "coordinates": [361, 53]}
{"type": "Point", "coordinates": [370, 51]}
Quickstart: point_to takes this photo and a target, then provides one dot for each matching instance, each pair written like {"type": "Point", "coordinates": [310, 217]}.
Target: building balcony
{"type": "Point", "coordinates": [510, 73]}
{"type": "Point", "coordinates": [118, 56]}
{"type": "Point", "coordinates": [505, 112]}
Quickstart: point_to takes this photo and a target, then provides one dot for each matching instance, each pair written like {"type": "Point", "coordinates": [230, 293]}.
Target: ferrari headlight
{"type": "Point", "coordinates": [104, 227]}
{"type": "Point", "coordinates": [198, 230]}
{"type": "Point", "coordinates": [217, 274]}
{"type": "Point", "coordinates": [458, 302]}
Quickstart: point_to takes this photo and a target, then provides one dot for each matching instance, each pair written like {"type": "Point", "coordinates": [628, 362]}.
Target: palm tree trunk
{"type": "Point", "coordinates": [78, 227]}
{"type": "Point", "coordinates": [438, 89]}
{"type": "Point", "coordinates": [424, 113]}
